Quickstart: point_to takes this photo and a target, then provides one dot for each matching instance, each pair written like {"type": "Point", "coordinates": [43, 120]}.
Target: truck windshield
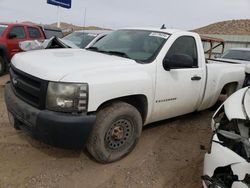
{"type": "Point", "coordinates": [139, 45]}
{"type": "Point", "coordinates": [2, 29]}
{"type": "Point", "coordinates": [80, 39]}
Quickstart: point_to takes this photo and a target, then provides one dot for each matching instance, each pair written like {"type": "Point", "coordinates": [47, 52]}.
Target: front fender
{"type": "Point", "coordinates": [120, 85]}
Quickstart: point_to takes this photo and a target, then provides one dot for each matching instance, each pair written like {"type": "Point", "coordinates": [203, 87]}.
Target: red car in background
{"type": "Point", "coordinates": [13, 33]}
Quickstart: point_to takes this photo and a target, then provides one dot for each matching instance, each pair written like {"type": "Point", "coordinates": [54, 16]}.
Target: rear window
{"type": "Point", "coordinates": [34, 32]}
{"type": "Point", "coordinates": [2, 29]}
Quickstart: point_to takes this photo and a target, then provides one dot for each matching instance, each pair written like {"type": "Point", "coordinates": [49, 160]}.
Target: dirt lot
{"type": "Point", "coordinates": [169, 154]}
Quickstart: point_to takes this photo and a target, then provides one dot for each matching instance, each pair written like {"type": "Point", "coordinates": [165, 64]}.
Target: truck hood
{"type": "Point", "coordinates": [56, 64]}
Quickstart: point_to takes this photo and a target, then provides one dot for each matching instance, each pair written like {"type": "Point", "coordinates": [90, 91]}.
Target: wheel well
{"type": "Point", "coordinates": [229, 88]}
{"type": "Point", "coordinates": [138, 101]}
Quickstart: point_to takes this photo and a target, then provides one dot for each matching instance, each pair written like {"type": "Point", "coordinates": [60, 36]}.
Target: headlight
{"type": "Point", "coordinates": [67, 97]}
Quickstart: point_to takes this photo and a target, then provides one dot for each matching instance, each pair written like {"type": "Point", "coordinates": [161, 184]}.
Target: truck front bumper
{"type": "Point", "coordinates": [58, 129]}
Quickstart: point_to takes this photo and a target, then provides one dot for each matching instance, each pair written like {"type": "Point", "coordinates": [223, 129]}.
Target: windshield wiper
{"type": "Point", "coordinates": [92, 48]}
{"type": "Point", "coordinates": [122, 54]}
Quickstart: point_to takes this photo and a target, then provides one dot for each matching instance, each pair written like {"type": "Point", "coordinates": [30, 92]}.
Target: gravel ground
{"type": "Point", "coordinates": [169, 154]}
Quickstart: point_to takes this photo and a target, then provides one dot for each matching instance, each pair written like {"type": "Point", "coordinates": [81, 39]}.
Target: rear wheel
{"type": "Point", "coordinates": [2, 66]}
{"type": "Point", "coordinates": [116, 132]}
{"type": "Point", "coordinates": [226, 92]}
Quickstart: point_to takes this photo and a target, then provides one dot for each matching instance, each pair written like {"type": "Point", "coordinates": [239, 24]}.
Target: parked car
{"type": "Point", "coordinates": [10, 36]}
{"type": "Point", "coordinates": [102, 96]}
{"type": "Point", "coordinates": [86, 38]}
{"type": "Point", "coordinates": [236, 55]}
{"type": "Point", "coordinates": [227, 163]}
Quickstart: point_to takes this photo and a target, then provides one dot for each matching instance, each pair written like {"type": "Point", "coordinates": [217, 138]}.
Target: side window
{"type": "Point", "coordinates": [17, 33]}
{"type": "Point", "coordinates": [34, 33]}
{"type": "Point", "coordinates": [184, 45]}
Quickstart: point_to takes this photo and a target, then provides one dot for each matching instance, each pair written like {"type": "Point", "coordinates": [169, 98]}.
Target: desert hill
{"type": "Point", "coordinates": [231, 27]}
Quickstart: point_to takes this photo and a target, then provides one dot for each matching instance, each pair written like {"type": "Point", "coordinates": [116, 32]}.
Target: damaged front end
{"type": "Point", "coordinates": [52, 43]}
{"type": "Point", "coordinates": [227, 163]}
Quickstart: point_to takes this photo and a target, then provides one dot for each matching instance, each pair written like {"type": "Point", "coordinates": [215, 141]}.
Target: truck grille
{"type": "Point", "coordinates": [29, 88]}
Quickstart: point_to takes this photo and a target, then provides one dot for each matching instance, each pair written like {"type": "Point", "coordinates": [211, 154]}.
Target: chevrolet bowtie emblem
{"type": "Point", "coordinates": [14, 81]}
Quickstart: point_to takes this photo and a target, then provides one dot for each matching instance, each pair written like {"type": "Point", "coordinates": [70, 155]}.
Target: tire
{"type": "Point", "coordinates": [115, 133]}
{"type": "Point", "coordinates": [2, 66]}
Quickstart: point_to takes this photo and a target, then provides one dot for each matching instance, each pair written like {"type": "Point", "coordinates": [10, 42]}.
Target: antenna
{"type": "Point", "coordinates": [163, 26]}
{"type": "Point", "coordinates": [84, 20]}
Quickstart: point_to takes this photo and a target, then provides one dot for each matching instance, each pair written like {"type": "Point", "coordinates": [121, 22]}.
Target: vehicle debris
{"type": "Point", "coordinates": [227, 163]}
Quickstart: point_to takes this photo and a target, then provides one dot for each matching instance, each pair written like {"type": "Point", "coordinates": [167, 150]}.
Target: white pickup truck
{"type": "Point", "coordinates": [104, 95]}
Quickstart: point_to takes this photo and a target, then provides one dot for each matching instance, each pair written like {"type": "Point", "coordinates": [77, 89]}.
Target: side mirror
{"type": "Point", "coordinates": [177, 61]}
{"type": "Point", "coordinates": [12, 36]}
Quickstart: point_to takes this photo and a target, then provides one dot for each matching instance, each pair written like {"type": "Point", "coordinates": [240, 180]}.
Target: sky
{"type": "Point", "coordinates": [114, 14]}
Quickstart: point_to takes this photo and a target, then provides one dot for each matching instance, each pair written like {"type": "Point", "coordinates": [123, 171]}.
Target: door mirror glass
{"type": "Point", "coordinates": [177, 61]}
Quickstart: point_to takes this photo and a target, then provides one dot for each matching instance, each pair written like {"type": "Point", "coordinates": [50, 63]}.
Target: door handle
{"type": "Point", "coordinates": [196, 78]}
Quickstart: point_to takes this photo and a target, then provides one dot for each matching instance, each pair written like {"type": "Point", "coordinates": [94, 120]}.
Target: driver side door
{"type": "Point", "coordinates": [179, 89]}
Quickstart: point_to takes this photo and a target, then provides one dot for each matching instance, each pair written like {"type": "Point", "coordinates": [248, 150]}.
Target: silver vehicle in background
{"type": "Point", "coordinates": [86, 38]}
{"type": "Point", "coordinates": [236, 55]}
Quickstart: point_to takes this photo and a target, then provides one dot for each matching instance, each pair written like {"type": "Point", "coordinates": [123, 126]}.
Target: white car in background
{"type": "Point", "coordinates": [236, 55]}
{"type": "Point", "coordinates": [227, 163]}
{"type": "Point", "coordinates": [85, 38]}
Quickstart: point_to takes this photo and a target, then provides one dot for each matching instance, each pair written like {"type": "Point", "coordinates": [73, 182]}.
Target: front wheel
{"type": "Point", "coordinates": [115, 133]}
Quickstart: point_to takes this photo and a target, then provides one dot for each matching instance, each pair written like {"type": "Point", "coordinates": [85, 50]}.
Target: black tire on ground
{"type": "Point", "coordinates": [2, 66]}
{"type": "Point", "coordinates": [115, 133]}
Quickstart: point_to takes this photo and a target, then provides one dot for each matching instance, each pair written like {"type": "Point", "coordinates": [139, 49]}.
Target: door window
{"type": "Point", "coordinates": [34, 33]}
{"type": "Point", "coordinates": [18, 32]}
{"type": "Point", "coordinates": [184, 45]}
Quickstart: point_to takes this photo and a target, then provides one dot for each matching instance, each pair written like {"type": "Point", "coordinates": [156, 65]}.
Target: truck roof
{"type": "Point", "coordinates": [22, 24]}
{"type": "Point", "coordinates": [240, 49]}
{"type": "Point", "coordinates": [169, 31]}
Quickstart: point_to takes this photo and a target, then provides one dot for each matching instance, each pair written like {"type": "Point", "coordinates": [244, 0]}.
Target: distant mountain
{"type": "Point", "coordinates": [231, 27]}
{"type": "Point", "coordinates": [65, 26]}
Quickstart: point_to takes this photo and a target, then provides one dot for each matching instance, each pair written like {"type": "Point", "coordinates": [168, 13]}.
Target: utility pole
{"type": "Point", "coordinates": [58, 16]}
{"type": "Point", "coordinates": [85, 13]}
